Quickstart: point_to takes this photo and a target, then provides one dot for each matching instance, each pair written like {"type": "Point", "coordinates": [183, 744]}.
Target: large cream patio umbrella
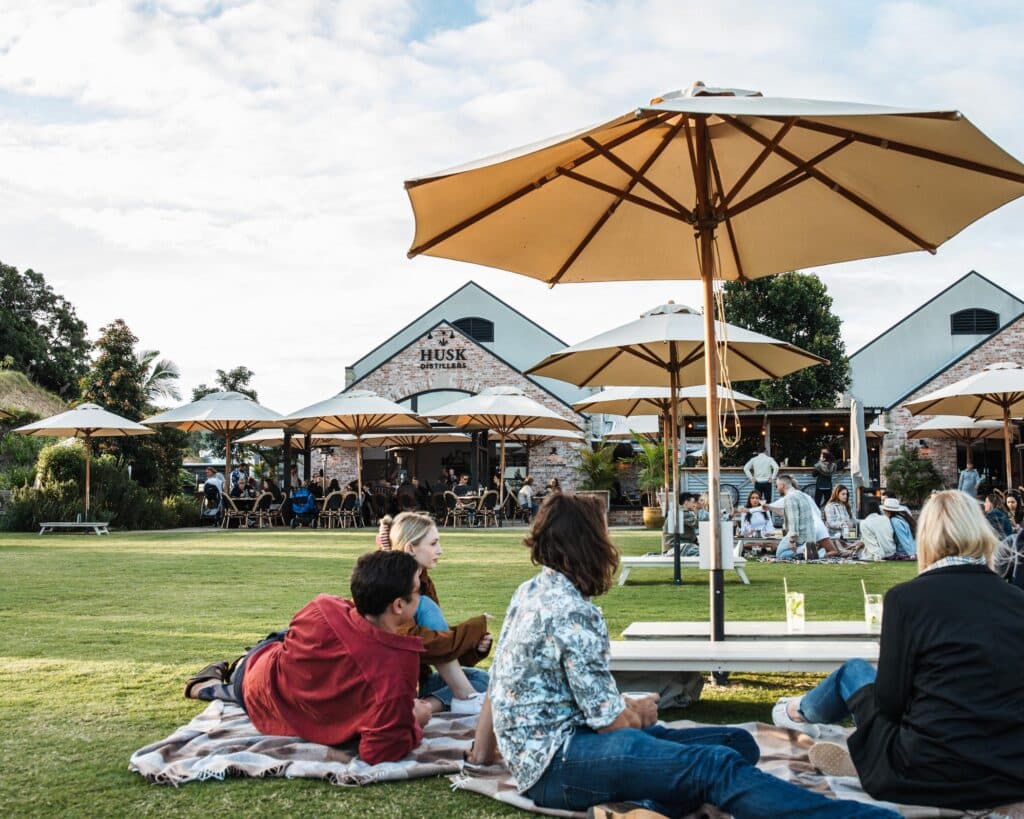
{"type": "Point", "coordinates": [86, 421]}
{"type": "Point", "coordinates": [222, 412]}
{"type": "Point", "coordinates": [274, 438]}
{"type": "Point", "coordinates": [633, 401]}
{"type": "Point", "coordinates": [995, 392]}
{"type": "Point", "coordinates": [666, 346]}
{"type": "Point", "coordinates": [357, 413]}
{"type": "Point", "coordinates": [503, 410]}
{"type": "Point", "coordinates": [960, 428]}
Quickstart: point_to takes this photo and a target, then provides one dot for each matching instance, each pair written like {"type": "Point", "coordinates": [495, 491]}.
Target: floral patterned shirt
{"type": "Point", "coordinates": [549, 675]}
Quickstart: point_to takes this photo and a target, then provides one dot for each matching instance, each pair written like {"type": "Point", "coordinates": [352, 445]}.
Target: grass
{"type": "Point", "coordinates": [102, 633]}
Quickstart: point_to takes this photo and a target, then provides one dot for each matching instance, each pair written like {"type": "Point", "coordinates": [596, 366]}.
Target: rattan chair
{"type": "Point", "coordinates": [487, 510]}
{"type": "Point", "coordinates": [455, 513]}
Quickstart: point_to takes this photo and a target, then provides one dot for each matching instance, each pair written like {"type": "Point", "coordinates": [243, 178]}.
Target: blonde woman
{"type": "Point", "coordinates": [941, 722]}
{"type": "Point", "coordinates": [452, 687]}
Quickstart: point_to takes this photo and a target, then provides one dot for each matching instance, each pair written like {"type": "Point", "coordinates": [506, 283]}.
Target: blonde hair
{"type": "Point", "coordinates": [407, 529]}
{"type": "Point", "coordinates": [952, 523]}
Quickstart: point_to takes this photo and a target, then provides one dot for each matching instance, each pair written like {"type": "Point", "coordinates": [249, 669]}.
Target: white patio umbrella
{"type": "Point", "coordinates": [877, 429]}
{"type": "Point", "coordinates": [960, 428]}
{"type": "Point", "coordinates": [533, 436]}
{"type": "Point", "coordinates": [503, 410]}
{"type": "Point", "coordinates": [357, 413]}
{"type": "Point", "coordinates": [790, 183]}
{"type": "Point", "coordinates": [86, 421]}
{"type": "Point", "coordinates": [995, 392]}
{"type": "Point", "coordinates": [275, 438]}
{"type": "Point", "coordinates": [666, 346]}
{"type": "Point", "coordinates": [223, 412]}
{"type": "Point", "coordinates": [860, 471]}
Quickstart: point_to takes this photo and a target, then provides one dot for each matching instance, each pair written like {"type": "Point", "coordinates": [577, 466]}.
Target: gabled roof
{"type": "Point", "coordinates": [968, 275]}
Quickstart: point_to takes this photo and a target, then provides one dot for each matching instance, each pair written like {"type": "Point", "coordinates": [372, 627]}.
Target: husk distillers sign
{"type": "Point", "coordinates": [443, 356]}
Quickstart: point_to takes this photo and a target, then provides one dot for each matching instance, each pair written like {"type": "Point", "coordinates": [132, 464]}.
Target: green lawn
{"type": "Point", "coordinates": [102, 633]}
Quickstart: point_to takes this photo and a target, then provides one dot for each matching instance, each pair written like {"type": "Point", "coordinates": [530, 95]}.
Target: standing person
{"type": "Point", "coordinates": [969, 480]}
{"type": "Point", "coordinates": [340, 671]}
{"type": "Point", "coordinates": [762, 470]}
{"type": "Point", "coordinates": [214, 477]}
{"type": "Point", "coordinates": [941, 722]}
{"type": "Point", "coordinates": [570, 739]}
{"type": "Point", "coordinates": [823, 471]}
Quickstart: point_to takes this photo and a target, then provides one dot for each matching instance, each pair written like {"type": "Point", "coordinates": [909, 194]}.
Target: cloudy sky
{"type": "Point", "coordinates": [227, 176]}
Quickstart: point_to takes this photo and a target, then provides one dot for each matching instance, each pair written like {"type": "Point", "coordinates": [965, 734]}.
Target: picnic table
{"type": "Point", "coordinates": [98, 527]}
{"type": "Point", "coordinates": [630, 562]}
{"type": "Point", "coordinates": [752, 630]}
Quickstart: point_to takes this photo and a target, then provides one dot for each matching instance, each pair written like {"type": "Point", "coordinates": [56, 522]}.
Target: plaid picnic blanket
{"type": "Point", "coordinates": [221, 742]}
{"type": "Point", "coordinates": [783, 754]}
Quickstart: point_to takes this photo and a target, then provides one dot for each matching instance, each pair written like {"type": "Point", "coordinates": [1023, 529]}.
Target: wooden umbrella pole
{"type": "Point", "coordinates": [88, 471]}
{"type": "Point", "coordinates": [673, 378]}
{"type": "Point", "coordinates": [359, 471]}
{"type": "Point", "coordinates": [501, 472]}
{"type": "Point", "coordinates": [706, 231]}
{"type": "Point", "coordinates": [666, 432]}
{"type": "Point", "coordinates": [227, 460]}
{"type": "Point", "coordinates": [1006, 447]}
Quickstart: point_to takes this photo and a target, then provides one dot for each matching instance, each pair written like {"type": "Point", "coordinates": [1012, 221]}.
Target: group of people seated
{"type": "Point", "coordinates": [939, 723]}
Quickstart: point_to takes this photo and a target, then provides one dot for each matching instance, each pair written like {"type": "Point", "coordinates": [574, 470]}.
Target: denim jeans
{"type": "Point", "coordinates": [435, 686]}
{"type": "Point", "coordinates": [827, 702]}
{"type": "Point", "coordinates": [785, 550]}
{"type": "Point", "coordinates": [674, 771]}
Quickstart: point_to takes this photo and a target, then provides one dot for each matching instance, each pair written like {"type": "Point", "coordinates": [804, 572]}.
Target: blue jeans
{"type": "Point", "coordinates": [674, 771]}
{"type": "Point", "coordinates": [827, 702]}
{"type": "Point", "coordinates": [435, 686]}
{"type": "Point", "coordinates": [785, 550]}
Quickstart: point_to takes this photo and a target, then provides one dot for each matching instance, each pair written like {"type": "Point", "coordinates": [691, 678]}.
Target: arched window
{"type": "Point", "coordinates": [478, 329]}
{"type": "Point", "coordinates": [974, 321]}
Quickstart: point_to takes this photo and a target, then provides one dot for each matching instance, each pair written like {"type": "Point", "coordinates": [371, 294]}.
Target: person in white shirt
{"type": "Point", "coordinates": [525, 496]}
{"type": "Point", "coordinates": [214, 477]}
{"type": "Point", "coordinates": [755, 519]}
{"type": "Point", "coordinates": [802, 522]}
{"type": "Point", "coordinates": [761, 470]}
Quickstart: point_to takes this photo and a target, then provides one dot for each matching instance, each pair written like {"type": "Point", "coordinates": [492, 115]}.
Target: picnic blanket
{"type": "Point", "coordinates": [783, 754]}
{"type": "Point", "coordinates": [221, 741]}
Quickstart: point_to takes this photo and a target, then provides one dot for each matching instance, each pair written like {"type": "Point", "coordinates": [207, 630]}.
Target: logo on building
{"type": "Point", "coordinates": [442, 357]}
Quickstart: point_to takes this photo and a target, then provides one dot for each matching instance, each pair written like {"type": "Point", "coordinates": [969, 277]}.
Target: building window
{"type": "Point", "coordinates": [478, 329]}
{"type": "Point", "coordinates": [973, 322]}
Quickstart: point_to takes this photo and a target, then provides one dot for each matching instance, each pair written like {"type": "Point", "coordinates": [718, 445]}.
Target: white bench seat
{"type": "Point", "coordinates": [817, 656]}
{"type": "Point", "coordinates": [751, 630]}
{"type": "Point", "coordinates": [629, 562]}
{"type": "Point", "coordinates": [96, 526]}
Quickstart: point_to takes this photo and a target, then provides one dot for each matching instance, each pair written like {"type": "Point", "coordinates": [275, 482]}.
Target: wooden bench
{"type": "Point", "coordinates": [96, 526]}
{"type": "Point", "coordinates": [630, 562]}
{"type": "Point", "coordinates": [752, 630]}
{"type": "Point", "coordinates": [818, 656]}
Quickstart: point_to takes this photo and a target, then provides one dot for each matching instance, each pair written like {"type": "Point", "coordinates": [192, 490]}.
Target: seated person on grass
{"type": "Point", "coordinates": [341, 670]}
{"type": "Point", "coordinates": [570, 739]}
{"type": "Point", "coordinates": [941, 721]}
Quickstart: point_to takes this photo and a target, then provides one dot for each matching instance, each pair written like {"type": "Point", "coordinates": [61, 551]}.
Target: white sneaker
{"type": "Point", "coordinates": [815, 730]}
{"type": "Point", "coordinates": [470, 705]}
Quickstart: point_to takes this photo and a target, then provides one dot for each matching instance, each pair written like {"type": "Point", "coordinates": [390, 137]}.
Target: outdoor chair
{"type": "Point", "coordinates": [347, 512]}
{"type": "Point", "coordinates": [330, 514]}
{"type": "Point", "coordinates": [487, 510]}
{"type": "Point", "coordinates": [260, 515]}
{"type": "Point", "coordinates": [438, 509]}
{"type": "Point", "coordinates": [232, 512]}
{"type": "Point", "coordinates": [455, 512]}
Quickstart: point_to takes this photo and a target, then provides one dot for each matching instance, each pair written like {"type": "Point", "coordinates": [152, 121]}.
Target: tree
{"type": "Point", "coordinates": [236, 379]}
{"type": "Point", "coordinates": [40, 332]}
{"type": "Point", "coordinates": [117, 378]}
{"type": "Point", "coordinates": [597, 467]}
{"type": "Point", "coordinates": [162, 376]}
{"type": "Point", "coordinates": [793, 307]}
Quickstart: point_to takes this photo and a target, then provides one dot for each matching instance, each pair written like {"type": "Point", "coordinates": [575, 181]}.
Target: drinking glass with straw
{"type": "Point", "coordinates": [872, 608]}
{"type": "Point", "coordinates": [794, 609]}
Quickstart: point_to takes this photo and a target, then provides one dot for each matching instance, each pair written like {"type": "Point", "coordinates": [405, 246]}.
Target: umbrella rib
{"type": "Point", "coordinates": [766, 151]}
{"type": "Point", "coordinates": [613, 207]}
{"type": "Point", "coordinates": [622, 194]}
{"type": "Point", "coordinates": [751, 362]}
{"type": "Point", "coordinates": [690, 147]}
{"type": "Point", "coordinates": [788, 180]}
{"type": "Point", "coordinates": [694, 355]}
{"type": "Point", "coordinates": [652, 357]}
{"type": "Point", "coordinates": [469, 221]}
{"type": "Point", "coordinates": [830, 183]}
{"type": "Point", "coordinates": [638, 175]}
{"type": "Point", "coordinates": [913, 150]}
{"type": "Point", "coordinates": [604, 366]}
{"type": "Point", "coordinates": [727, 217]}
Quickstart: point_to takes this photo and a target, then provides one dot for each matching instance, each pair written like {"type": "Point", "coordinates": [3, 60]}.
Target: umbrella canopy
{"type": "Point", "coordinates": [411, 440]}
{"type": "Point", "coordinates": [4, 415]}
{"type": "Point", "coordinates": [85, 421]}
{"type": "Point", "coordinates": [531, 436]}
{"type": "Point", "coordinates": [785, 183]}
{"type": "Point", "coordinates": [960, 428]}
{"type": "Point", "coordinates": [503, 410]}
{"type": "Point", "coordinates": [275, 438]}
{"type": "Point", "coordinates": [995, 392]}
{"type": "Point", "coordinates": [649, 400]}
{"type": "Point", "coordinates": [223, 412]}
{"type": "Point", "coordinates": [860, 472]}
{"type": "Point", "coordinates": [355, 412]}
{"type": "Point", "coordinates": [624, 429]}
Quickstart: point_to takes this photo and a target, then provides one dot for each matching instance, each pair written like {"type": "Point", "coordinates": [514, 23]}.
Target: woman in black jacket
{"type": "Point", "coordinates": [942, 724]}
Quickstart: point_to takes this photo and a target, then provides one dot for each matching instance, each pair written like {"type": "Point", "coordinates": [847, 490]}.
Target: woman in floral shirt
{"type": "Point", "coordinates": [569, 738]}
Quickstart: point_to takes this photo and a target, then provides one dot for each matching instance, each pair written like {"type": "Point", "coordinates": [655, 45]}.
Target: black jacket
{"type": "Point", "coordinates": [944, 723]}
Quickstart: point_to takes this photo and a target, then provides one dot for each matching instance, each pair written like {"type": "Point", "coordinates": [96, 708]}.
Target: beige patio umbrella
{"type": "Point", "coordinates": [644, 426]}
{"type": "Point", "coordinates": [960, 428]}
{"type": "Point", "coordinates": [275, 438]}
{"type": "Point", "coordinates": [789, 183]}
{"type": "Point", "coordinates": [223, 412]}
{"type": "Point", "coordinates": [86, 421]}
{"type": "Point", "coordinates": [995, 392]}
{"type": "Point", "coordinates": [357, 413]}
{"type": "Point", "coordinates": [4, 415]}
{"type": "Point", "coordinates": [533, 436]}
{"type": "Point", "coordinates": [503, 410]}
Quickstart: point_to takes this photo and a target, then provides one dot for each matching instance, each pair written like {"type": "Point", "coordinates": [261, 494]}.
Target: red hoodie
{"type": "Point", "coordinates": [336, 676]}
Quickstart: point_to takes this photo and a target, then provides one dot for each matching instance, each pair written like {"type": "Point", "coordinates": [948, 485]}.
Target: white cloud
{"type": "Point", "coordinates": [227, 176]}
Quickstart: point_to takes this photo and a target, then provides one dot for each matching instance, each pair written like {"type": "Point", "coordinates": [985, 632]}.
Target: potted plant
{"type": "Point", "coordinates": [650, 478]}
{"type": "Point", "coordinates": [910, 477]}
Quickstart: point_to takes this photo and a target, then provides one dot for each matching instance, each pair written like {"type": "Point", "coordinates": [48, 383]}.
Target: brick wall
{"type": "Point", "coordinates": [1008, 345]}
{"type": "Point", "coordinates": [460, 364]}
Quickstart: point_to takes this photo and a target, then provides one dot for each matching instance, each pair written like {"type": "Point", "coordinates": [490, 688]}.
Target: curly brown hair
{"type": "Point", "coordinates": [570, 535]}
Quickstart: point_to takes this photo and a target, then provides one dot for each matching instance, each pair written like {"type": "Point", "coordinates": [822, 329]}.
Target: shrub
{"type": "Point", "coordinates": [597, 467]}
{"type": "Point", "coordinates": [61, 462]}
{"type": "Point", "coordinates": [910, 477]}
{"type": "Point", "coordinates": [56, 501]}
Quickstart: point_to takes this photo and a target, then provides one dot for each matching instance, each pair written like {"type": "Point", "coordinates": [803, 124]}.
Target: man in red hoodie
{"type": "Point", "coordinates": [341, 670]}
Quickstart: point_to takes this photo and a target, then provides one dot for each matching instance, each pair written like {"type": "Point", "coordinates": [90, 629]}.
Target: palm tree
{"type": "Point", "coordinates": [161, 375]}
